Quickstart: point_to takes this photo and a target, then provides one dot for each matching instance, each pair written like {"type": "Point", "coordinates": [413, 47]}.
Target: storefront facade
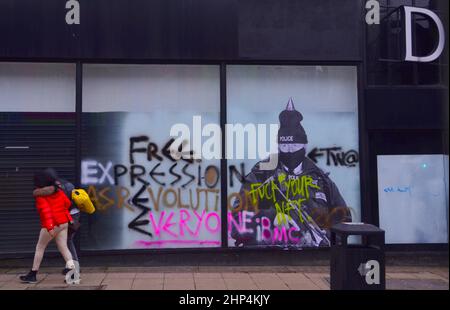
{"type": "Point", "coordinates": [96, 98]}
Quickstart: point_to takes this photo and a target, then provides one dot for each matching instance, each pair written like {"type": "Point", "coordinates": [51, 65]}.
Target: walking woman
{"type": "Point", "coordinates": [74, 226]}
{"type": "Point", "coordinates": [55, 217]}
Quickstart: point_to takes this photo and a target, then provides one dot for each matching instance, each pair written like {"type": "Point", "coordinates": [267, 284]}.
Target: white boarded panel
{"type": "Point", "coordinates": [149, 88]}
{"type": "Point", "coordinates": [37, 87]}
{"type": "Point", "coordinates": [413, 203]}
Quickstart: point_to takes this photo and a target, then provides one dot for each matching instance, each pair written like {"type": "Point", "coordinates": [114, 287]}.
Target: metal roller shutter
{"type": "Point", "coordinates": [30, 142]}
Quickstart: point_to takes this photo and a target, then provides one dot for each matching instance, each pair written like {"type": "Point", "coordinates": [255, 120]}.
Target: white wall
{"type": "Point", "coordinates": [148, 88]}
{"type": "Point", "coordinates": [413, 202]}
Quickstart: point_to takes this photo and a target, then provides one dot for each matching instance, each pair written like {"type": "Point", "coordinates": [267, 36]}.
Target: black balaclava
{"type": "Point", "coordinates": [291, 132]}
{"type": "Point", "coordinates": [292, 160]}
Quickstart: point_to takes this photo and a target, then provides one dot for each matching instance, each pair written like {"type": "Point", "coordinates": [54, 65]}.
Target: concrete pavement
{"type": "Point", "coordinates": [218, 278]}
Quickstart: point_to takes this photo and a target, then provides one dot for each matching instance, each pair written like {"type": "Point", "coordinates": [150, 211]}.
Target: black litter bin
{"type": "Point", "coordinates": [357, 266]}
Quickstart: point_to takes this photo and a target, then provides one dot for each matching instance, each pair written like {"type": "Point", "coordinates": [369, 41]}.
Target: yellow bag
{"type": "Point", "coordinates": [82, 200]}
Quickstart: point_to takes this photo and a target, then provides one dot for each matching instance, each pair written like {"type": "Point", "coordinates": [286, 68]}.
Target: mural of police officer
{"type": "Point", "coordinates": [300, 196]}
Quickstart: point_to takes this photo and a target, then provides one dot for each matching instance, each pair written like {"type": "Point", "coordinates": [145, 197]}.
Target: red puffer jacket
{"type": "Point", "coordinates": [53, 210]}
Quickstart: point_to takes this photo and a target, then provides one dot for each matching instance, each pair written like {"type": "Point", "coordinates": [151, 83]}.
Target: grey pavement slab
{"type": "Point", "coordinates": [218, 278]}
{"type": "Point", "coordinates": [416, 284]}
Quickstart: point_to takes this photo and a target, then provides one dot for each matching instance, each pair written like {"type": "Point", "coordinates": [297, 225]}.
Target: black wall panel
{"type": "Point", "coordinates": [406, 108]}
{"type": "Point", "coordinates": [300, 29]}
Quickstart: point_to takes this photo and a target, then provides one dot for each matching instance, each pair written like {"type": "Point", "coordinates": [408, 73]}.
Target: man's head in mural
{"type": "Point", "coordinates": [292, 138]}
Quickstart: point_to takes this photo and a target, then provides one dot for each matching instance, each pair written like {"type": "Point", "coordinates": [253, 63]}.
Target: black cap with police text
{"type": "Point", "coordinates": [291, 131]}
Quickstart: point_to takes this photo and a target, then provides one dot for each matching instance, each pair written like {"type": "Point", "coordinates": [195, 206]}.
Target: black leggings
{"type": "Point", "coordinates": [71, 235]}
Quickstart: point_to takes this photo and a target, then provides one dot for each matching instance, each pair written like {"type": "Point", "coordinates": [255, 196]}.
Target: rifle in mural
{"type": "Point", "coordinates": [306, 223]}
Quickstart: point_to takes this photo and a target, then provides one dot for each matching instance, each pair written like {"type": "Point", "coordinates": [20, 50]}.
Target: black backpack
{"type": "Point", "coordinates": [67, 188]}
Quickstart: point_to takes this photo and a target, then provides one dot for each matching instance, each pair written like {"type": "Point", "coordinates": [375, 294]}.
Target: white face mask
{"type": "Point", "coordinates": [291, 148]}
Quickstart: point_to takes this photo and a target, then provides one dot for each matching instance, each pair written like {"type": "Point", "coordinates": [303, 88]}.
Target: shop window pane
{"type": "Point", "coordinates": [146, 199]}
{"type": "Point", "coordinates": [37, 131]}
{"type": "Point", "coordinates": [37, 87]}
{"type": "Point", "coordinates": [315, 181]}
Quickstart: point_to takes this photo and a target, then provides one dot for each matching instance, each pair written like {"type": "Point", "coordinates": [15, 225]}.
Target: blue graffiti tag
{"type": "Point", "coordinates": [398, 189]}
